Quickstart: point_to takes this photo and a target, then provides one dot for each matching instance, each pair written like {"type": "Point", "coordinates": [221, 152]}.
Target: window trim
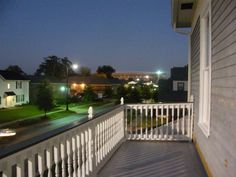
{"type": "Point", "coordinates": [205, 115]}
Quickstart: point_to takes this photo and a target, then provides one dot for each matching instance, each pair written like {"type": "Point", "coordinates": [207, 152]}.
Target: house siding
{"type": "Point", "coordinates": [219, 148]}
{"type": "Point", "coordinates": [195, 66]}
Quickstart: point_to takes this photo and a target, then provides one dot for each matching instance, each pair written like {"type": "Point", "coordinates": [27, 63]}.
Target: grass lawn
{"type": "Point", "coordinates": [20, 112]}
{"type": "Point", "coordinates": [27, 111]}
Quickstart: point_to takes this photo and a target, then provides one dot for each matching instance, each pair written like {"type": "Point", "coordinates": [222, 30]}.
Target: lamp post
{"type": "Point", "coordinates": [158, 75]}
{"type": "Point", "coordinates": [73, 66]}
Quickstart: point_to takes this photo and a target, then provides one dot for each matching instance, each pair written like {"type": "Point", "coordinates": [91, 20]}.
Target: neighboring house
{"type": "Point", "coordinates": [98, 84]}
{"type": "Point", "coordinates": [212, 68]}
{"type": "Point", "coordinates": [175, 88]}
{"type": "Point", "coordinates": [14, 89]}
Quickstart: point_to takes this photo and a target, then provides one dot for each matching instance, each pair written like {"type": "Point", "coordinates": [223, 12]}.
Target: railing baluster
{"type": "Point", "coordinates": [56, 160]}
{"type": "Point", "coordinates": [20, 170]}
{"type": "Point", "coordinates": [157, 135]}
{"type": "Point", "coordinates": [146, 128]}
{"type": "Point", "coordinates": [141, 124]}
{"type": "Point", "coordinates": [126, 122]}
{"type": "Point", "coordinates": [188, 121]}
{"type": "Point", "coordinates": [74, 156]}
{"type": "Point", "coordinates": [167, 122]}
{"type": "Point", "coordinates": [86, 152]}
{"type": "Point", "coordinates": [49, 161]}
{"type": "Point", "coordinates": [136, 123]}
{"type": "Point", "coordinates": [172, 121]}
{"type": "Point", "coordinates": [78, 146]}
{"type": "Point", "coordinates": [83, 155]}
{"type": "Point", "coordinates": [178, 111]}
{"type": "Point", "coordinates": [40, 164]}
{"type": "Point", "coordinates": [162, 122]}
{"type": "Point", "coordinates": [183, 121]}
{"type": "Point", "coordinates": [130, 122]}
{"type": "Point", "coordinates": [63, 163]}
{"type": "Point", "coordinates": [151, 137]}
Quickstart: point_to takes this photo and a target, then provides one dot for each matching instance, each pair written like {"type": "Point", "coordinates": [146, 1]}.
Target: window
{"type": "Point", "coordinates": [205, 72]}
{"type": "Point", "coordinates": [18, 84]}
{"type": "Point", "coordinates": [17, 98]}
{"type": "Point", "coordinates": [20, 98]}
{"type": "Point", "coordinates": [180, 86]}
{"type": "Point", "coordinates": [8, 86]}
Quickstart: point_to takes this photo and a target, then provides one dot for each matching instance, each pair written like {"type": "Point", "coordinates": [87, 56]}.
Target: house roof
{"type": "Point", "coordinates": [9, 93]}
{"type": "Point", "coordinates": [182, 13]}
{"type": "Point", "coordinates": [179, 73]}
{"type": "Point", "coordinates": [9, 75]}
{"type": "Point", "coordinates": [39, 79]}
{"type": "Point", "coordinates": [94, 80]}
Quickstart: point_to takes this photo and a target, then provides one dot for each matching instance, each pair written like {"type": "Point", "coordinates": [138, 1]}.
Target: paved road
{"type": "Point", "coordinates": [28, 132]}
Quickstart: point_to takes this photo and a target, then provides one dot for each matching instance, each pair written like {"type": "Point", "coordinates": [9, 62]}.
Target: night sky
{"type": "Point", "coordinates": [130, 35]}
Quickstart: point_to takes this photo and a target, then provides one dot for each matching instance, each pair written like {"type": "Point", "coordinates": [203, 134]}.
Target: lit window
{"type": "Point", "coordinates": [205, 72]}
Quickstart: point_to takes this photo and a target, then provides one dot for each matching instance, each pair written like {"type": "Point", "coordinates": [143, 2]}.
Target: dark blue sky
{"type": "Point", "coordinates": [130, 35]}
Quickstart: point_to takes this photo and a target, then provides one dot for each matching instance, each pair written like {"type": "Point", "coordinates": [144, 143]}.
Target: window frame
{"type": "Point", "coordinates": [205, 71]}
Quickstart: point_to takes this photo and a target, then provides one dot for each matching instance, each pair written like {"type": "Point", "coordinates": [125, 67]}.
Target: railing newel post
{"type": "Point", "coordinates": [90, 112]}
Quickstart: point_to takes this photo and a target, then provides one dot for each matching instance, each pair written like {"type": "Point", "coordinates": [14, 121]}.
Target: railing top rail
{"type": "Point", "coordinates": [155, 104]}
{"type": "Point", "coordinates": [50, 134]}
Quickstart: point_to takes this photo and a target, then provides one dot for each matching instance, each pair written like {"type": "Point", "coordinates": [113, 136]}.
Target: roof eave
{"type": "Point", "coordinates": [182, 18]}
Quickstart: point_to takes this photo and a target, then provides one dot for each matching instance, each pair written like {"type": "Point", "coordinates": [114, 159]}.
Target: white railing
{"type": "Point", "coordinates": [78, 152]}
{"type": "Point", "coordinates": [159, 121]}
{"type": "Point", "coordinates": [83, 150]}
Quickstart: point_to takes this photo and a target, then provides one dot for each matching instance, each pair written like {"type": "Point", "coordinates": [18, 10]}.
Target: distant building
{"type": "Point", "coordinates": [129, 76]}
{"type": "Point", "coordinates": [175, 88]}
{"type": "Point", "coordinates": [98, 84]}
{"type": "Point", "coordinates": [14, 89]}
{"type": "Point", "coordinates": [77, 84]}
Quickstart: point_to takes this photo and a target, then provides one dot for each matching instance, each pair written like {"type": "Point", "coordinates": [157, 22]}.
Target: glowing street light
{"type": "Point", "coordinates": [62, 88]}
{"type": "Point", "coordinates": [158, 75]}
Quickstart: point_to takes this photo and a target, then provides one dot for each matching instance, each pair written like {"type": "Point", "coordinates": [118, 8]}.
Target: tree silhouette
{"type": "Point", "coordinates": [54, 66]}
{"type": "Point", "coordinates": [107, 70]}
{"type": "Point", "coordinates": [84, 71]}
{"type": "Point", "coordinates": [45, 97]}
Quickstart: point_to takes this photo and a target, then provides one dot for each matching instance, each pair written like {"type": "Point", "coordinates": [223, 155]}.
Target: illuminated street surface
{"type": "Point", "coordinates": [30, 132]}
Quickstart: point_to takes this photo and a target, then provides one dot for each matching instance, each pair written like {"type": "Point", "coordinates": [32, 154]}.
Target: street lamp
{"type": "Point", "coordinates": [73, 66]}
{"type": "Point", "coordinates": [158, 75]}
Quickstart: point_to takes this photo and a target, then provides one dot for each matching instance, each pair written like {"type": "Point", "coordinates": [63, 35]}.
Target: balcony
{"type": "Point", "coordinates": [130, 140]}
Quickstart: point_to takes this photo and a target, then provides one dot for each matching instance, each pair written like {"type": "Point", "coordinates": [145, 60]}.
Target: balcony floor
{"type": "Point", "coordinates": [154, 159]}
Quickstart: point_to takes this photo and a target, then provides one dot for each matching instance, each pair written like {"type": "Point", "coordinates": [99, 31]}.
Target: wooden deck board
{"type": "Point", "coordinates": [154, 159]}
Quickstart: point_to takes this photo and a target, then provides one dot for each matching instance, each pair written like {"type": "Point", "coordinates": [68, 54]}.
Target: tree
{"type": "Point", "coordinates": [89, 95]}
{"type": "Point", "coordinates": [107, 70]}
{"type": "Point", "coordinates": [133, 95]}
{"type": "Point", "coordinates": [121, 92]}
{"type": "Point", "coordinates": [146, 92]}
{"type": "Point", "coordinates": [45, 97]}
{"type": "Point", "coordinates": [84, 71]}
{"type": "Point", "coordinates": [108, 92]}
{"type": "Point", "coordinates": [54, 66]}
{"type": "Point", "coordinates": [16, 69]}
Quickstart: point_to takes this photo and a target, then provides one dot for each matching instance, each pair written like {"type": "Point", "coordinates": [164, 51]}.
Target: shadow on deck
{"type": "Point", "coordinates": [154, 159]}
